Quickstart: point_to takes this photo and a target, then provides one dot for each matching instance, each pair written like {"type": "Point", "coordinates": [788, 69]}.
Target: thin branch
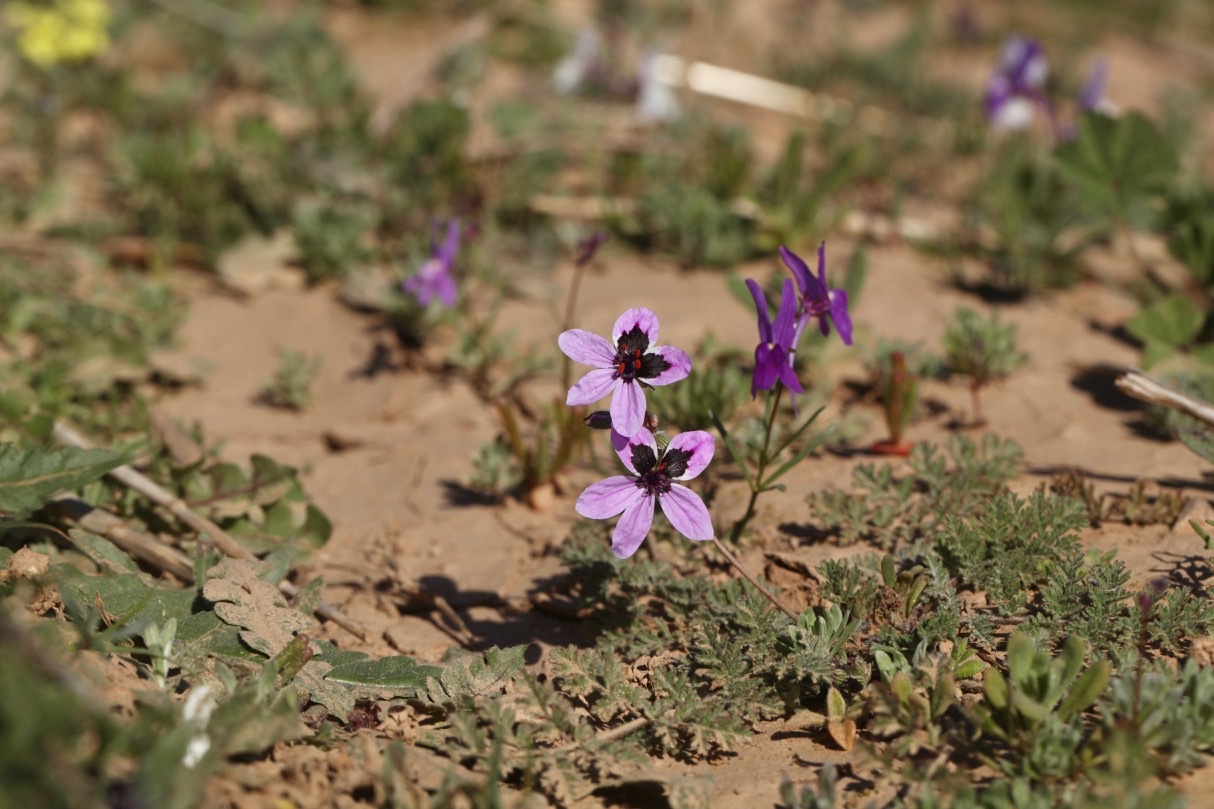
{"type": "Point", "coordinates": [175, 506]}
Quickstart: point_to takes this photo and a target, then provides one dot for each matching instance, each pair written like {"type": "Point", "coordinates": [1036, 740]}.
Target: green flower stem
{"type": "Point", "coordinates": [756, 483]}
{"type": "Point", "coordinates": [733, 560]}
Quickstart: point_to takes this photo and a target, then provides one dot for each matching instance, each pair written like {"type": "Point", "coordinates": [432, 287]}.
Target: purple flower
{"type": "Point", "coordinates": [817, 299]}
{"type": "Point", "coordinates": [434, 279]}
{"type": "Point", "coordinates": [1017, 85]}
{"type": "Point", "coordinates": [652, 481]}
{"type": "Point", "coordinates": [777, 341]}
{"type": "Point", "coordinates": [623, 366]}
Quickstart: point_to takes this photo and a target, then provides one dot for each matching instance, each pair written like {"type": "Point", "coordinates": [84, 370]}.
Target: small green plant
{"type": "Point", "coordinates": [290, 388]}
{"type": "Point", "coordinates": [331, 236]}
{"type": "Point", "coordinates": [823, 796]}
{"type": "Point", "coordinates": [1036, 709]}
{"type": "Point", "coordinates": [721, 387]}
{"type": "Point", "coordinates": [1118, 166]}
{"type": "Point", "coordinates": [981, 348]}
{"type": "Point", "coordinates": [890, 511]}
{"type": "Point", "coordinates": [542, 455]}
{"type": "Point", "coordinates": [1172, 718]}
{"type": "Point", "coordinates": [1036, 221]}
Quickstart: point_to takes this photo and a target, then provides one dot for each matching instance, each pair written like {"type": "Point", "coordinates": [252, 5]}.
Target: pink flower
{"type": "Point", "coordinates": [623, 367]}
{"type": "Point", "coordinates": [652, 482]}
{"type": "Point", "coordinates": [434, 279]}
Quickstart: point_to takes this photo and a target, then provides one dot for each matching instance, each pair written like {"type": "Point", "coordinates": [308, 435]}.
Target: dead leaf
{"type": "Point", "coordinates": [844, 733]}
{"type": "Point", "coordinates": [267, 623]}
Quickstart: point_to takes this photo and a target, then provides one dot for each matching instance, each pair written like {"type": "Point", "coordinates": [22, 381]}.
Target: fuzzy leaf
{"type": "Point", "coordinates": [242, 599]}
{"type": "Point", "coordinates": [1020, 654]}
{"type": "Point", "coordinates": [30, 477]}
{"type": "Point", "coordinates": [996, 690]}
{"type": "Point", "coordinates": [397, 675]}
{"type": "Point", "coordinates": [125, 597]}
{"type": "Point", "coordinates": [836, 706]}
{"type": "Point", "coordinates": [313, 680]}
{"type": "Point", "coordinates": [1087, 689]}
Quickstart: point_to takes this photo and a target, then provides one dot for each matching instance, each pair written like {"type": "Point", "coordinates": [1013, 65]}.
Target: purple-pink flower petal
{"type": "Point", "coordinates": [687, 513]}
{"type": "Point", "coordinates": [700, 445]}
{"type": "Point", "coordinates": [839, 315]}
{"type": "Point", "coordinates": [446, 253]}
{"type": "Point", "coordinates": [680, 365]}
{"type": "Point", "coordinates": [624, 448]}
{"type": "Point", "coordinates": [633, 527]}
{"type": "Point", "coordinates": [593, 386]}
{"type": "Point", "coordinates": [805, 281]}
{"type": "Point", "coordinates": [628, 408]}
{"type": "Point", "coordinates": [608, 497]}
{"type": "Point", "coordinates": [760, 299]}
{"type": "Point", "coordinates": [587, 348]}
{"type": "Point", "coordinates": [643, 318]}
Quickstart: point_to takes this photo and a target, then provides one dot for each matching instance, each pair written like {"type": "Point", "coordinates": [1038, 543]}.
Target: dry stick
{"type": "Point", "coordinates": [175, 506]}
{"type": "Point", "coordinates": [617, 732]}
{"type": "Point", "coordinates": [733, 560]}
{"type": "Point", "coordinates": [142, 546]}
{"type": "Point", "coordinates": [1141, 386]}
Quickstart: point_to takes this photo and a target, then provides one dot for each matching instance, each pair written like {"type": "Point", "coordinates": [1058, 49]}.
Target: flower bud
{"type": "Point", "coordinates": [598, 420]}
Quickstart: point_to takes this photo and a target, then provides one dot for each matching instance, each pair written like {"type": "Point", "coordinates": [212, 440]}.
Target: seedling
{"type": "Point", "coordinates": [1041, 697]}
{"type": "Point", "coordinates": [290, 387]}
{"type": "Point", "coordinates": [983, 349]}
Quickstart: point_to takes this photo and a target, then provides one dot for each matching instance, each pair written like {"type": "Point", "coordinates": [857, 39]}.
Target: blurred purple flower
{"type": "Point", "coordinates": [817, 299]}
{"type": "Point", "coordinates": [623, 366]}
{"type": "Point", "coordinates": [1091, 95]}
{"type": "Point", "coordinates": [1018, 84]}
{"type": "Point", "coordinates": [777, 341]}
{"type": "Point", "coordinates": [588, 247]}
{"type": "Point", "coordinates": [434, 279]}
{"type": "Point", "coordinates": [581, 64]}
{"type": "Point", "coordinates": [652, 482]}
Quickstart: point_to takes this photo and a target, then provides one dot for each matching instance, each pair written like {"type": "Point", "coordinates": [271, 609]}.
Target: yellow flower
{"type": "Point", "coordinates": [64, 31]}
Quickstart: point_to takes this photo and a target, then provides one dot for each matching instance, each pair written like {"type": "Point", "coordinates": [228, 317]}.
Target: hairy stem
{"type": "Point", "coordinates": [733, 560]}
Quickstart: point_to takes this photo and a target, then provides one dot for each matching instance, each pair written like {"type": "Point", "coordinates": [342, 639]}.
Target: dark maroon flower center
{"type": "Point", "coordinates": [655, 474]}
{"type": "Point", "coordinates": [631, 361]}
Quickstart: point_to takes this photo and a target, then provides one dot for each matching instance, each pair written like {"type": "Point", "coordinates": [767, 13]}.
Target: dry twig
{"type": "Point", "coordinates": [1141, 386]}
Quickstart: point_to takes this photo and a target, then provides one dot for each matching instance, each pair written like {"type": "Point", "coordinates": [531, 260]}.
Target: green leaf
{"type": "Point", "coordinates": [398, 675]}
{"type": "Point", "coordinates": [125, 596]}
{"type": "Point", "coordinates": [105, 554]}
{"type": "Point", "coordinates": [836, 706]}
{"type": "Point", "coordinates": [802, 453]}
{"type": "Point", "coordinates": [1198, 439]}
{"type": "Point", "coordinates": [1113, 162]}
{"type": "Point", "coordinates": [734, 453]}
{"type": "Point", "coordinates": [1087, 689]}
{"type": "Point", "coordinates": [1020, 653]}
{"type": "Point", "coordinates": [30, 477]}
{"type": "Point", "coordinates": [1174, 321]}
{"type": "Point", "coordinates": [995, 688]}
